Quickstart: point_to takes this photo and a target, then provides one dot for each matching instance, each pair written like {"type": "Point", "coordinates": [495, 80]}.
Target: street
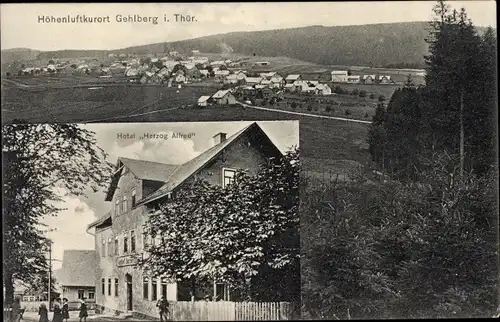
{"type": "Point", "coordinates": [73, 317]}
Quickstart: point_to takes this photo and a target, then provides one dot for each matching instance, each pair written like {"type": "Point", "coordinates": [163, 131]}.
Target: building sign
{"type": "Point", "coordinates": [128, 260]}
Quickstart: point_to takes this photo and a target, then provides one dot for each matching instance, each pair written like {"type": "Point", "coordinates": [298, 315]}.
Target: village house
{"type": "Point", "coordinates": [221, 73]}
{"type": "Point", "coordinates": [77, 275]}
{"type": "Point", "coordinates": [131, 72]}
{"type": "Point", "coordinates": [231, 79]}
{"type": "Point", "coordinates": [224, 97]}
{"type": "Point", "coordinates": [195, 52]}
{"type": "Point", "coordinates": [253, 80]}
{"type": "Point", "coordinates": [277, 81]}
{"type": "Point", "coordinates": [339, 76]}
{"type": "Point", "coordinates": [241, 75]}
{"type": "Point", "coordinates": [179, 78]}
{"type": "Point", "coordinates": [137, 188]}
{"type": "Point", "coordinates": [354, 79]}
{"type": "Point", "coordinates": [384, 79]}
{"type": "Point", "coordinates": [368, 79]}
{"type": "Point", "coordinates": [290, 79]}
{"type": "Point", "coordinates": [204, 72]}
{"type": "Point", "coordinates": [323, 89]}
{"type": "Point", "coordinates": [192, 72]}
{"type": "Point", "coordinates": [203, 101]}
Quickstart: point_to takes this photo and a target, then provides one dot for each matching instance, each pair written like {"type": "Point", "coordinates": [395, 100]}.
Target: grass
{"type": "Point", "coordinates": [326, 145]}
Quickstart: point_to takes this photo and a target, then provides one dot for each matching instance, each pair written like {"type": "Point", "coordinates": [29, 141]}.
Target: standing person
{"type": "Point", "coordinates": [44, 314]}
{"type": "Point", "coordinates": [162, 306]}
{"type": "Point", "coordinates": [57, 311]}
{"type": "Point", "coordinates": [83, 310]}
{"type": "Point", "coordinates": [65, 310]}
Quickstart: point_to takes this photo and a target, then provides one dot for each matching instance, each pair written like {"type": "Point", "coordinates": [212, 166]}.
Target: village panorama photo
{"type": "Point", "coordinates": [178, 221]}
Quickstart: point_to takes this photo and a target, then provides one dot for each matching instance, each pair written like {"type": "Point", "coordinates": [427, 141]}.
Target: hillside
{"type": "Point", "coordinates": [378, 45]}
{"type": "Point", "coordinates": [369, 45]}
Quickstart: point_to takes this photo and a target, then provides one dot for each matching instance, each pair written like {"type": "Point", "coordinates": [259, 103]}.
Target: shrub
{"type": "Point", "coordinates": [366, 115]}
{"type": "Point", "coordinates": [347, 112]}
{"type": "Point", "coordinates": [328, 108]}
{"type": "Point", "coordinates": [309, 108]}
{"type": "Point", "coordinates": [355, 92]}
{"type": "Point", "coordinates": [338, 90]}
{"type": "Point", "coordinates": [293, 105]}
{"type": "Point", "coordinates": [362, 93]}
{"type": "Point", "coordinates": [381, 98]}
{"type": "Point", "coordinates": [372, 96]}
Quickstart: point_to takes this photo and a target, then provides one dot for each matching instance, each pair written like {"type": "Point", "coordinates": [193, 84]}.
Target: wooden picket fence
{"type": "Point", "coordinates": [230, 311]}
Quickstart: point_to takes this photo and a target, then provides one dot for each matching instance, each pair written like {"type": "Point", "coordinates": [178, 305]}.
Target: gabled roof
{"type": "Point", "coordinates": [293, 76]}
{"type": "Point", "coordinates": [106, 219]}
{"type": "Point", "coordinates": [78, 268]}
{"type": "Point", "coordinates": [186, 170]}
{"type": "Point", "coordinates": [143, 170]}
{"type": "Point", "coordinates": [203, 99]}
{"type": "Point", "coordinates": [339, 72]}
{"type": "Point", "coordinates": [220, 94]}
{"type": "Point", "coordinates": [253, 79]}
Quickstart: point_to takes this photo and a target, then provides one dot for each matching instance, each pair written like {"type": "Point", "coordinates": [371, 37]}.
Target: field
{"type": "Point", "coordinates": [346, 140]}
{"type": "Point", "coordinates": [85, 104]}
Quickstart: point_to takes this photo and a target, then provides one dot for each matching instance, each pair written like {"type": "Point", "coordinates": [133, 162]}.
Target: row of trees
{"type": "Point", "coordinates": [419, 238]}
{"type": "Point", "coordinates": [41, 163]}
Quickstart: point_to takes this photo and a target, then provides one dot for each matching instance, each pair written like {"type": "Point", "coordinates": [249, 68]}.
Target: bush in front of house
{"type": "Point", "coordinates": [338, 90]}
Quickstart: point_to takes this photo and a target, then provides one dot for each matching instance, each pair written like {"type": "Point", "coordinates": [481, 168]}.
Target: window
{"type": "Point", "coordinates": [227, 177]}
{"type": "Point", "coordinates": [102, 286]}
{"type": "Point", "coordinates": [134, 192]}
{"type": "Point", "coordinates": [117, 206]}
{"type": "Point", "coordinates": [81, 294]}
{"type": "Point", "coordinates": [116, 287]}
{"type": "Point", "coordinates": [124, 204]}
{"type": "Point", "coordinates": [164, 288]}
{"type": "Point", "coordinates": [91, 295]}
{"type": "Point", "coordinates": [109, 286]}
{"type": "Point", "coordinates": [116, 245]}
{"type": "Point", "coordinates": [154, 289]}
{"type": "Point", "coordinates": [109, 246]}
{"type": "Point", "coordinates": [132, 241]}
{"type": "Point", "coordinates": [103, 248]}
{"type": "Point", "coordinates": [145, 288]}
{"type": "Point", "coordinates": [125, 244]}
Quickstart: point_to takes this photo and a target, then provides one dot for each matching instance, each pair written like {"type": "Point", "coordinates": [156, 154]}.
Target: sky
{"type": "Point", "coordinates": [71, 223]}
{"type": "Point", "coordinates": [20, 26]}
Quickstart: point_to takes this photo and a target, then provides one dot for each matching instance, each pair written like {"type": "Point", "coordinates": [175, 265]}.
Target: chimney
{"type": "Point", "coordinates": [220, 137]}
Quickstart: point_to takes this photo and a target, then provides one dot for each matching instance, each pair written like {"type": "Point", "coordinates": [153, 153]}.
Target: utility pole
{"type": "Point", "coordinates": [50, 272]}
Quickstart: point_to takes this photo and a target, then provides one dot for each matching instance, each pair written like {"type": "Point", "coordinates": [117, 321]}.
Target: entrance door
{"type": "Point", "coordinates": [129, 292]}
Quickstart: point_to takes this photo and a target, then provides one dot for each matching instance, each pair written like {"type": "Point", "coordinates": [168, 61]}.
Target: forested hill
{"type": "Point", "coordinates": [372, 45]}
{"type": "Point", "coordinates": [377, 45]}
